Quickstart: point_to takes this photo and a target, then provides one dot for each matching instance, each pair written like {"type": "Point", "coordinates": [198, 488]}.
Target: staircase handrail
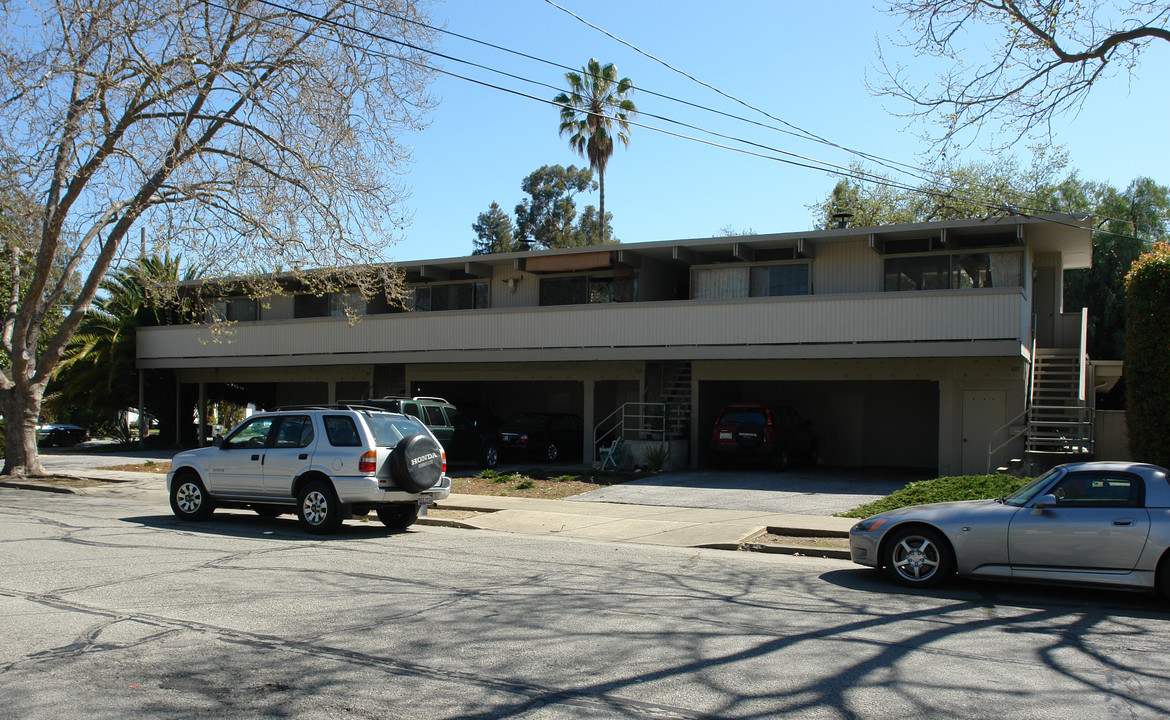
{"type": "Point", "coordinates": [657, 413]}
{"type": "Point", "coordinates": [991, 438]}
{"type": "Point", "coordinates": [1084, 353]}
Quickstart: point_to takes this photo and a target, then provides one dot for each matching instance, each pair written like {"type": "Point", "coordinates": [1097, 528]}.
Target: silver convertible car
{"type": "Point", "coordinates": [1096, 523]}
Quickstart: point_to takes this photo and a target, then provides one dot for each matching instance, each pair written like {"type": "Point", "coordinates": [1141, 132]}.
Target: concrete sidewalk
{"type": "Point", "coordinates": [649, 524]}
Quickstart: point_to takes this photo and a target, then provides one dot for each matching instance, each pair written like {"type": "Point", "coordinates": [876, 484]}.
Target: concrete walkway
{"type": "Point", "coordinates": [650, 524]}
{"type": "Point", "coordinates": [598, 520]}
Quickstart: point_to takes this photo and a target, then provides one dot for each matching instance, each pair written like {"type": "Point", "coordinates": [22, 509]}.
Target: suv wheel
{"type": "Point", "coordinates": [551, 452]}
{"type": "Point", "coordinates": [398, 517]}
{"type": "Point", "coordinates": [189, 499]}
{"type": "Point", "coordinates": [317, 508]}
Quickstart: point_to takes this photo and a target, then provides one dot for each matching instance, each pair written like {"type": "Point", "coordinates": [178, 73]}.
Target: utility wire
{"type": "Point", "coordinates": [804, 133]}
{"type": "Point", "coordinates": [918, 172]}
{"type": "Point", "coordinates": [820, 165]}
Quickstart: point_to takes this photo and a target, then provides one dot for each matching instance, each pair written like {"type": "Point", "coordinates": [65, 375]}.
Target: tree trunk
{"type": "Point", "coordinates": [601, 210]}
{"type": "Point", "coordinates": [22, 409]}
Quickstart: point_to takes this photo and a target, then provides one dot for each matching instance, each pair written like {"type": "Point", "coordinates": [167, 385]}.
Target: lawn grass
{"type": "Point", "coordinates": [944, 489]}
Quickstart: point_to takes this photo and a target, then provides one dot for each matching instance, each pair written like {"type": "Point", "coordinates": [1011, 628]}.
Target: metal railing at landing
{"type": "Point", "coordinates": [637, 421]}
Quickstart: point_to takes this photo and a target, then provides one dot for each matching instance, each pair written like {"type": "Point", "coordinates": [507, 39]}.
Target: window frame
{"type": "Point", "coordinates": [953, 269]}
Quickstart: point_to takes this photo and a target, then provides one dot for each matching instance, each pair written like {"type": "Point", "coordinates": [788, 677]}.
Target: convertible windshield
{"type": "Point", "coordinates": [1022, 496]}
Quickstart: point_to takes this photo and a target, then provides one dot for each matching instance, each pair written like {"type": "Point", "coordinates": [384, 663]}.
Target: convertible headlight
{"type": "Point", "coordinates": [870, 524]}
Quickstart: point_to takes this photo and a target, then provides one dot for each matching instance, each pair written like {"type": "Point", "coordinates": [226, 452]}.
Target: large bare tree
{"type": "Point", "coordinates": [1018, 62]}
{"type": "Point", "coordinates": [251, 136]}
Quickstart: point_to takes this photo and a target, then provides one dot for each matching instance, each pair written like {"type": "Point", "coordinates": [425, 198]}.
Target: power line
{"type": "Point", "coordinates": [804, 161]}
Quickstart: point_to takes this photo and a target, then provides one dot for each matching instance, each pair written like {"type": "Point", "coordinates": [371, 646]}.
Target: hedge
{"type": "Point", "coordinates": [1147, 356]}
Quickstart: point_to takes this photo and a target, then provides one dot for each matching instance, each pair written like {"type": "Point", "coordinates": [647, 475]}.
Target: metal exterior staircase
{"type": "Point", "coordinates": [1060, 421]}
{"type": "Point", "coordinates": [676, 395]}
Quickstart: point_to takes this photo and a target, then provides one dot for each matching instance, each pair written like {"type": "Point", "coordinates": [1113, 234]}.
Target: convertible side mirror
{"type": "Point", "coordinates": [1044, 501]}
{"type": "Point", "coordinates": [217, 441]}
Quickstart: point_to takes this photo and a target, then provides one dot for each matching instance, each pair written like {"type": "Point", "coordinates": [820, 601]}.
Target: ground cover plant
{"type": "Point", "coordinates": [944, 489]}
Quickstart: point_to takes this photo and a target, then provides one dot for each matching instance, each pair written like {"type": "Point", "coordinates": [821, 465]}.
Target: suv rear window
{"type": "Point", "coordinates": [742, 415]}
{"type": "Point", "coordinates": [389, 429]}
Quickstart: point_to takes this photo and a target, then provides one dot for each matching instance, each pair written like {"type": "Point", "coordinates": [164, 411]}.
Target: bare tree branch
{"type": "Point", "coordinates": [1046, 57]}
{"type": "Point", "coordinates": [260, 135]}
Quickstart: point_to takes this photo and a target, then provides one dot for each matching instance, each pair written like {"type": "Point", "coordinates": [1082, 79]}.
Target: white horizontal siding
{"type": "Point", "coordinates": [873, 318]}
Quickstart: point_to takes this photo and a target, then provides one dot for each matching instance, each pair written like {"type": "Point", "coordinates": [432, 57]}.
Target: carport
{"type": "Point", "coordinates": [591, 390]}
{"type": "Point", "coordinates": [869, 415]}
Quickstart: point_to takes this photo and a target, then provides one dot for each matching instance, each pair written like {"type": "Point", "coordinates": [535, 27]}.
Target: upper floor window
{"type": "Point", "coordinates": [740, 281]}
{"type": "Point", "coordinates": [955, 271]}
{"type": "Point", "coordinates": [588, 289]}
{"type": "Point", "coordinates": [235, 309]}
{"type": "Point", "coordinates": [328, 305]}
{"type": "Point", "coordinates": [451, 296]}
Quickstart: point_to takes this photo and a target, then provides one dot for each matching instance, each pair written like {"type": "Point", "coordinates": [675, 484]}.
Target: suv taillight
{"type": "Point", "coordinates": [368, 462]}
{"type": "Point", "coordinates": [444, 453]}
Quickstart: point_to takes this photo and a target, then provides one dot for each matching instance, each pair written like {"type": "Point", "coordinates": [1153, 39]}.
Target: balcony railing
{"type": "Point", "coordinates": [910, 317]}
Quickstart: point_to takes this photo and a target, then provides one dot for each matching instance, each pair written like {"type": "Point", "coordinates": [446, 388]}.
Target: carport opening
{"type": "Point", "coordinates": [880, 423]}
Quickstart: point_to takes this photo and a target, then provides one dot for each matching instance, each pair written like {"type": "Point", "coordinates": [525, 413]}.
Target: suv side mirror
{"type": "Point", "coordinates": [1044, 501]}
{"type": "Point", "coordinates": [217, 441]}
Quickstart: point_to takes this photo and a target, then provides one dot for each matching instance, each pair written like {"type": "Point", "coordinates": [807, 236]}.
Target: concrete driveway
{"type": "Point", "coordinates": [802, 491]}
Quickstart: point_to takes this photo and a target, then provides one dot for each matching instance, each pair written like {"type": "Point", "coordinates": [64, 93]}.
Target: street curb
{"type": "Point", "coordinates": [42, 487]}
{"type": "Point", "coordinates": [803, 550]}
{"type": "Point", "coordinates": [803, 532]}
{"type": "Point", "coordinates": [444, 522]}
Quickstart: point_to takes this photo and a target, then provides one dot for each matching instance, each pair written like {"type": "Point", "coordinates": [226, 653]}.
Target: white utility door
{"type": "Point", "coordinates": [983, 414]}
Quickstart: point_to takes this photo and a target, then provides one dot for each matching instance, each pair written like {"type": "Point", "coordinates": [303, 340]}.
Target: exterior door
{"type": "Point", "coordinates": [239, 465]}
{"type": "Point", "coordinates": [983, 413]}
{"type": "Point", "coordinates": [1098, 524]}
{"type": "Point", "coordinates": [288, 453]}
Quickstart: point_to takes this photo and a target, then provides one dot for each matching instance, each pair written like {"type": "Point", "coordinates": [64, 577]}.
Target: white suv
{"type": "Point", "coordinates": [325, 463]}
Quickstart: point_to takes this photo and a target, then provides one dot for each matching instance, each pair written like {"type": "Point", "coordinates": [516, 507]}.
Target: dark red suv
{"type": "Point", "coordinates": [778, 435]}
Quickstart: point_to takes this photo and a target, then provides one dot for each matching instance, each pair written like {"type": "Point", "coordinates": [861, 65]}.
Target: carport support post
{"type": "Point", "coordinates": [202, 412]}
{"type": "Point", "coordinates": [178, 412]}
{"type": "Point", "coordinates": [142, 408]}
{"type": "Point", "coordinates": [588, 455]}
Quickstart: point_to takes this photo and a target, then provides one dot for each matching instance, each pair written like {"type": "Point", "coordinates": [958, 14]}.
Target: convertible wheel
{"type": "Point", "coordinates": [1162, 579]}
{"type": "Point", "coordinates": [317, 508]}
{"type": "Point", "coordinates": [398, 517]}
{"type": "Point", "coordinates": [918, 557]}
{"type": "Point", "coordinates": [189, 499]}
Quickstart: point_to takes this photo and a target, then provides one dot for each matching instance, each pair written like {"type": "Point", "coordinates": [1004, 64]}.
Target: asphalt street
{"type": "Point", "coordinates": [111, 608]}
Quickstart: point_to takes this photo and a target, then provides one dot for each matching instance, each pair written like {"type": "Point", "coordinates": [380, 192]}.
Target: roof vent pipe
{"type": "Point", "coordinates": [842, 219]}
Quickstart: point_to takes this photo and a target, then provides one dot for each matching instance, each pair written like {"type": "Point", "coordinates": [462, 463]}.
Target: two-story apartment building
{"type": "Point", "coordinates": [912, 346]}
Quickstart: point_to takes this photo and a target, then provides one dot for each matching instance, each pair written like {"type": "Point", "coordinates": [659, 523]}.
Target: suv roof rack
{"type": "Point", "coordinates": [326, 406]}
{"type": "Point", "coordinates": [432, 399]}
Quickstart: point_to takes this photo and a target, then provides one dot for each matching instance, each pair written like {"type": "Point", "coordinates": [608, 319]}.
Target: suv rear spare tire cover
{"type": "Point", "coordinates": [417, 463]}
{"type": "Point", "coordinates": [749, 435]}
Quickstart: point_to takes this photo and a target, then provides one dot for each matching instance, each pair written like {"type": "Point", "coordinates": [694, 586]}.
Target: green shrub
{"type": "Point", "coordinates": [525, 485]}
{"type": "Point", "coordinates": [657, 457]}
{"type": "Point", "coordinates": [489, 474]}
{"type": "Point", "coordinates": [945, 489]}
{"type": "Point", "coordinates": [1147, 356]}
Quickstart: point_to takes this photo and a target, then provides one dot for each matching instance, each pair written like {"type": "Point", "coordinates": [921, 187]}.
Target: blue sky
{"type": "Point", "coordinates": [804, 63]}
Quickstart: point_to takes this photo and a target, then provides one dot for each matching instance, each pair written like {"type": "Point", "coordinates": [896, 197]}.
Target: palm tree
{"type": "Point", "coordinates": [98, 369]}
{"type": "Point", "coordinates": [597, 100]}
